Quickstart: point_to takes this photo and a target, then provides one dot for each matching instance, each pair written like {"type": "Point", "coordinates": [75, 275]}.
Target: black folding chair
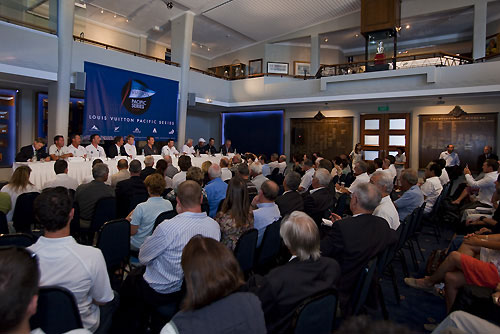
{"type": "Point", "coordinates": [363, 286]}
{"type": "Point", "coordinates": [245, 249]}
{"type": "Point", "coordinates": [137, 199]}
{"type": "Point", "coordinates": [113, 240]}
{"type": "Point", "coordinates": [57, 311]}
{"type": "Point", "coordinates": [74, 225]}
{"type": "Point", "coordinates": [24, 214]}
{"type": "Point", "coordinates": [4, 227]}
{"type": "Point", "coordinates": [17, 239]}
{"type": "Point", "coordinates": [433, 217]}
{"type": "Point", "coordinates": [163, 216]}
{"type": "Point", "coordinates": [316, 314]}
{"type": "Point", "coordinates": [104, 211]}
{"type": "Point", "coordinates": [270, 246]}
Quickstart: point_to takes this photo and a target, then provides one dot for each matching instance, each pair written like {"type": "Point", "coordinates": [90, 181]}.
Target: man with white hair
{"type": "Point", "coordinates": [188, 147]}
{"type": "Point", "coordinates": [256, 174]}
{"type": "Point", "coordinates": [149, 161]}
{"type": "Point", "coordinates": [171, 169]}
{"type": "Point", "coordinates": [320, 199]}
{"type": "Point", "coordinates": [386, 209]}
{"type": "Point", "coordinates": [279, 294]}
{"type": "Point", "coordinates": [215, 189]}
{"type": "Point", "coordinates": [360, 169]}
{"type": "Point", "coordinates": [282, 163]}
{"type": "Point", "coordinates": [226, 173]}
{"type": "Point", "coordinates": [355, 240]}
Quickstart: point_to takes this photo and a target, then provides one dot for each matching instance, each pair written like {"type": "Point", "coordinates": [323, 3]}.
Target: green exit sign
{"type": "Point", "coordinates": [383, 108]}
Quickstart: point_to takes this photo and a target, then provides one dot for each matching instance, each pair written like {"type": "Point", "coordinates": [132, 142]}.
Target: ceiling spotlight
{"type": "Point", "coordinates": [326, 40]}
{"type": "Point", "coordinates": [407, 26]}
{"type": "Point", "coordinates": [114, 16]}
{"type": "Point", "coordinates": [208, 49]}
{"type": "Point", "coordinates": [209, 100]}
{"type": "Point", "coordinates": [357, 35]}
{"type": "Point", "coordinates": [156, 28]}
{"type": "Point", "coordinates": [398, 29]}
{"type": "Point", "coordinates": [102, 11]}
{"type": "Point", "coordinates": [126, 20]}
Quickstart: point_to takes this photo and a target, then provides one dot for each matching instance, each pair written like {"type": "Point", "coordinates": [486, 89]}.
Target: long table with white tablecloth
{"type": "Point", "coordinates": [80, 169]}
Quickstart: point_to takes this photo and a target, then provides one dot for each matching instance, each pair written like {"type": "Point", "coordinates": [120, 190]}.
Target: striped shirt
{"type": "Point", "coordinates": [162, 251]}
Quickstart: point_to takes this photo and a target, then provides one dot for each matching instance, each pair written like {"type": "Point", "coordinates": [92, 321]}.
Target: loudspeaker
{"type": "Point", "coordinates": [298, 136]}
{"type": "Point", "coordinates": [191, 99]}
{"type": "Point", "coordinates": [80, 80]}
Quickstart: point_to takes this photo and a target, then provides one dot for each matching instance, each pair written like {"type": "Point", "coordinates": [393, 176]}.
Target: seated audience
{"type": "Point", "coordinates": [306, 274]}
{"type": "Point", "coordinates": [88, 194]}
{"type": "Point", "coordinates": [161, 168]}
{"type": "Point", "coordinates": [117, 149]}
{"type": "Point", "coordinates": [460, 322]}
{"type": "Point", "coordinates": [62, 179]}
{"type": "Point", "coordinates": [477, 262]}
{"type": "Point", "coordinates": [282, 164]}
{"type": "Point", "coordinates": [210, 148]}
{"type": "Point", "coordinates": [235, 161]}
{"type": "Point", "coordinates": [94, 150]}
{"type": "Point", "coordinates": [19, 279]}
{"type": "Point", "coordinates": [355, 240]}
{"type": "Point", "coordinates": [306, 181]}
{"type": "Point", "coordinates": [58, 150]}
{"type": "Point", "coordinates": [432, 187]}
{"type": "Point", "coordinates": [226, 148]}
{"type": "Point", "coordinates": [244, 172]}
{"type": "Point", "coordinates": [412, 197]}
{"type": "Point", "coordinates": [226, 173]}
{"type": "Point", "coordinates": [65, 263]}
{"type": "Point", "coordinates": [291, 200]}
{"type": "Point", "coordinates": [256, 175]}
{"type": "Point", "coordinates": [149, 161]}
{"type": "Point", "coordinates": [200, 147]}
{"type": "Point", "coordinates": [75, 148]}
{"type": "Point", "coordinates": [5, 203]}
{"type": "Point", "coordinates": [487, 154]}
{"type": "Point", "coordinates": [33, 152]}
{"type": "Point", "coordinates": [362, 177]}
{"type": "Point", "coordinates": [266, 169]}
{"type": "Point", "coordinates": [235, 216]}
{"type": "Point", "coordinates": [149, 149]}
{"type": "Point", "coordinates": [169, 149]}
{"type": "Point", "coordinates": [122, 174]}
{"type": "Point", "coordinates": [171, 169]}
{"type": "Point", "coordinates": [476, 221]}
{"type": "Point", "coordinates": [444, 178]}
{"type": "Point", "coordinates": [486, 186]}
{"type": "Point", "coordinates": [161, 254]}
{"type": "Point", "coordinates": [130, 149]}
{"type": "Point", "coordinates": [379, 163]}
{"type": "Point", "coordinates": [130, 188]}
{"type": "Point", "coordinates": [215, 189]}
{"type": "Point", "coordinates": [188, 147]}
{"type": "Point", "coordinates": [213, 304]}
{"type": "Point", "coordinates": [204, 168]}
{"type": "Point", "coordinates": [386, 209]}
{"type": "Point", "coordinates": [319, 200]}
{"type": "Point", "coordinates": [19, 183]}
{"type": "Point", "coordinates": [265, 211]}
{"type": "Point", "coordinates": [184, 164]}
{"type": "Point", "coordinates": [90, 178]}
{"type": "Point", "coordinates": [143, 218]}
{"type": "Point", "coordinates": [391, 167]}
{"type": "Point", "coordinates": [326, 164]}
{"type": "Point", "coordinates": [195, 174]}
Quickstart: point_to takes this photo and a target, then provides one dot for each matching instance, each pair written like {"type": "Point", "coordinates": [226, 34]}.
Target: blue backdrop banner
{"type": "Point", "coordinates": [119, 103]}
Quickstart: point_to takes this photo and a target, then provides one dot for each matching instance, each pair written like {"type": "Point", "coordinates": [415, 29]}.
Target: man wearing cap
{"type": "Point", "coordinates": [201, 146]}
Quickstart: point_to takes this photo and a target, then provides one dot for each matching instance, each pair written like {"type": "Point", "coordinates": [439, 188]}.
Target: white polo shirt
{"type": "Point", "coordinates": [387, 210]}
{"type": "Point", "coordinates": [431, 189]}
{"type": "Point", "coordinates": [306, 180]}
{"type": "Point", "coordinates": [188, 150]}
{"type": "Point", "coordinates": [360, 179]}
{"type": "Point", "coordinates": [62, 180]}
{"type": "Point", "coordinates": [93, 152]}
{"type": "Point", "coordinates": [76, 151]}
{"type": "Point", "coordinates": [131, 150]}
{"type": "Point", "coordinates": [171, 151]}
{"type": "Point", "coordinates": [80, 269]}
{"type": "Point", "coordinates": [53, 149]}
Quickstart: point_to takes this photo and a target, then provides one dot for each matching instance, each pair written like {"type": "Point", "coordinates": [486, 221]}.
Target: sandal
{"type": "Point", "coordinates": [412, 282]}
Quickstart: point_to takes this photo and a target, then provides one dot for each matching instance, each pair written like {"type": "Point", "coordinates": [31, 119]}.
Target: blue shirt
{"type": "Point", "coordinates": [266, 214]}
{"type": "Point", "coordinates": [411, 199]}
{"type": "Point", "coordinates": [161, 252]}
{"type": "Point", "coordinates": [266, 170]}
{"type": "Point", "coordinates": [216, 192]}
{"type": "Point", "coordinates": [144, 216]}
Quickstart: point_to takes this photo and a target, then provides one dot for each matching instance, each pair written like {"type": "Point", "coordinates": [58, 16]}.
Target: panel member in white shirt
{"type": "Point", "coordinates": [169, 149]}
{"type": "Point", "coordinates": [188, 147]}
{"type": "Point", "coordinates": [432, 187]}
{"type": "Point", "coordinates": [450, 156]}
{"type": "Point", "coordinates": [224, 167]}
{"type": "Point", "coordinates": [75, 148]}
{"type": "Point", "coordinates": [58, 150]}
{"type": "Point", "coordinates": [62, 179]}
{"type": "Point", "coordinates": [65, 263]}
{"type": "Point", "coordinates": [486, 186]}
{"type": "Point", "coordinates": [306, 180]}
{"type": "Point", "coordinates": [130, 148]}
{"type": "Point", "coordinates": [94, 150]}
{"type": "Point", "coordinates": [386, 208]}
{"type": "Point", "coordinates": [360, 169]}
{"type": "Point", "coordinates": [161, 254]}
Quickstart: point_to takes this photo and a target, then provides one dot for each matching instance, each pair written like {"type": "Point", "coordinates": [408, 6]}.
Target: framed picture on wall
{"type": "Point", "coordinates": [277, 68]}
{"type": "Point", "coordinates": [255, 66]}
{"type": "Point", "coordinates": [301, 68]}
{"type": "Point", "coordinates": [492, 44]}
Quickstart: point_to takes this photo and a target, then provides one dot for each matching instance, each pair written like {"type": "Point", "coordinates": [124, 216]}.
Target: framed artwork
{"type": "Point", "coordinates": [255, 66]}
{"type": "Point", "coordinates": [492, 44]}
{"type": "Point", "coordinates": [277, 68]}
{"type": "Point", "coordinates": [301, 68]}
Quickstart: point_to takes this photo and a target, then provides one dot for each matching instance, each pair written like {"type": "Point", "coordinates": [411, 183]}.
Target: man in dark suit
{"type": "Point", "coordinates": [149, 161]}
{"type": "Point", "coordinates": [28, 153]}
{"type": "Point", "coordinates": [320, 199]}
{"type": "Point", "coordinates": [210, 148]}
{"type": "Point", "coordinates": [130, 191]}
{"type": "Point", "coordinates": [487, 154]}
{"type": "Point", "coordinates": [116, 147]}
{"type": "Point", "coordinates": [355, 240]}
{"type": "Point", "coordinates": [226, 148]}
{"type": "Point", "coordinates": [307, 274]}
{"type": "Point", "coordinates": [291, 200]}
{"type": "Point", "coordinates": [150, 149]}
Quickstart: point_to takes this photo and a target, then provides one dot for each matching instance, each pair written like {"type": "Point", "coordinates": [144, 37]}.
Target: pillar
{"type": "Point", "coordinates": [143, 44]}
{"type": "Point", "coordinates": [315, 54]}
{"type": "Point", "coordinates": [59, 92]}
{"type": "Point", "coordinates": [479, 40]}
{"type": "Point", "coordinates": [182, 37]}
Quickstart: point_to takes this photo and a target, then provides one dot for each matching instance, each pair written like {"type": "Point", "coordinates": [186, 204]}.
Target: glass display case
{"type": "Point", "coordinates": [381, 50]}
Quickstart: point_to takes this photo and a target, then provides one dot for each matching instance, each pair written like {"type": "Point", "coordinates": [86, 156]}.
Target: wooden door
{"type": "Point", "coordinates": [382, 134]}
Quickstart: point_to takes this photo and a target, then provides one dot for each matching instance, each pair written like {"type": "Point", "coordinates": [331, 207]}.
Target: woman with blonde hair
{"type": "Point", "coordinates": [204, 168]}
{"type": "Point", "coordinates": [19, 183]}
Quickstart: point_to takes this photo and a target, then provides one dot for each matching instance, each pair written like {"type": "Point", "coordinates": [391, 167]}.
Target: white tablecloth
{"type": "Point", "coordinates": [42, 171]}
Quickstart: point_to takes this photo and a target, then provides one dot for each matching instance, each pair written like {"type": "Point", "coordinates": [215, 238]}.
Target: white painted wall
{"type": "Point", "coordinates": [203, 125]}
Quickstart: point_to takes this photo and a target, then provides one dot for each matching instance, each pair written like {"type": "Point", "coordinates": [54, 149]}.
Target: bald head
{"type": "Point", "coordinates": [168, 159]}
{"type": "Point", "coordinates": [269, 191]}
{"type": "Point", "coordinates": [189, 197]}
